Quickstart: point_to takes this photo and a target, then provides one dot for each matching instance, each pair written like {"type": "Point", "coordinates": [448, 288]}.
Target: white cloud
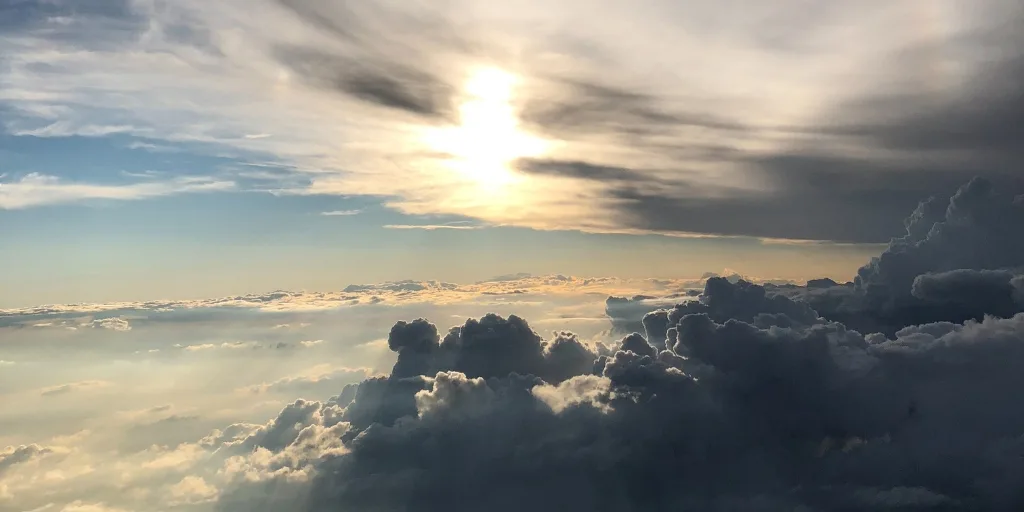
{"type": "Point", "coordinates": [577, 390]}
{"type": "Point", "coordinates": [388, 293]}
{"type": "Point", "coordinates": [113, 324]}
{"type": "Point", "coordinates": [197, 348]}
{"type": "Point", "coordinates": [79, 506]}
{"type": "Point", "coordinates": [341, 213]}
{"type": "Point", "coordinates": [71, 387]}
{"type": "Point", "coordinates": [430, 227]}
{"type": "Point", "coordinates": [191, 490]}
{"type": "Point", "coordinates": [38, 189]}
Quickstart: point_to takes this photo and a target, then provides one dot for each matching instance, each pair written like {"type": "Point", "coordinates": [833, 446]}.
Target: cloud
{"type": "Point", "coordinates": [318, 381]}
{"type": "Point", "coordinates": [36, 190]}
{"type": "Point", "coordinates": [743, 398]}
{"type": "Point", "coordinates": [341, 213]}
{"type": "Point", "coordinates": [847, 424]}
{"type": "Point", "coordinates": [490, 347]}
{"type": "Point", "coordinates": [113, 324]}
{"type": "Point", "coordinates": [644, 151]}
{"type": "Point", "coordinates": [625, 312]}
{"type": "Point", "coordinates": [73, 387]}
{"type": "Point", "coordinates": [385, 84]}
{"type": "Point", "coordinates": [380, 69]}
{"type": "Point", "coordinates": [12, 456]}
{"type": "Point", "coordinates": [79, 506]}
{"type": "Point", "coordinates": [957, 260]}
{"type": "Point", "coordinates": [192, 490]}
{"type": "Point", "coordinates": [581, 389]}
{"type": "Point", "coordinates": [431, 227]}
{"type": "Point", "coordinates": [994, 292]}
{"type": "Point", "coordinates": [387, 293]}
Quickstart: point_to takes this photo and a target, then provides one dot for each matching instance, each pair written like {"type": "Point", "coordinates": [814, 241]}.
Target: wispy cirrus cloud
{"type": "Point", "coordinates": [72, 387]}
{"type": "Point", "coordinates": [39, 189]}
{"type": "Point", "coordinates": [432, 227]}
{"type": "Point", "coordinates": [341, 213]}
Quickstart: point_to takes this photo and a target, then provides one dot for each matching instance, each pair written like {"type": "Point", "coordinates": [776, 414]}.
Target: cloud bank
{"type": "Point", "coordinates": [741, 396]}
{"type": "Point", "coordinates": [959, 259]}
{"type": "Point", "coordinates": [744, 397]}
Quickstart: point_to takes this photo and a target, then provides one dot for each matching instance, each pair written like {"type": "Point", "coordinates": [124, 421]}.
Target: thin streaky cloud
{"type": "Point", "coordinates": [38, 190]}
{"type": "Point", "coordinates": [341, 213]}
{"type": "Point", "coordinates": [430, 227]}
{"type": "Point", "coordinates": [72, 387]}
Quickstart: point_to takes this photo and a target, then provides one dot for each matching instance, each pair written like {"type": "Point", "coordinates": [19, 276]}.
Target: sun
{"type": "Point", "coordinates": [487, 139]}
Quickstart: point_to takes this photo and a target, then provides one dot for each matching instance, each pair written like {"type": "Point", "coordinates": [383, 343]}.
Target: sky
{"type": "Point", "coordinates": [312, 255]}
{"type": "Point", "coordinates": [189, 149]}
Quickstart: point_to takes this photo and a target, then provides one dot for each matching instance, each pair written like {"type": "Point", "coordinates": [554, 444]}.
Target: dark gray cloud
{"type": "Point", "coordinates": [836, 189]}
{"type": "Point", "coordinates": [976, 292]}
{"type": "Point", "coordinates": [625, 312]}
{"type": "Point", "coordinates": [918, 136]}
{"type": "Point", "coordinates": [638, 345]}
{"type": "Point", "coordinates": [853, 423]}
{"type": "Point", "coordinates": [20, 454]}
{"type": "Point", "coordinates": [958, 259]}
{"type": "Point", "coordinates": [724, 300]}
{"type": "Point", "coordinates": [743, 399]}
{"type": "Point", "coordinates": [490, 347]}
{"type": "Point", "coordinates": [384, 57]}
{"type": "Point", "coordinates": [386, 83]}
{"type": "Point", "coordinates": [982, 119]}
{"type": "Point", "coordinates": [581, 170]}
{"type": "Point", "coordinates": [579, 107]}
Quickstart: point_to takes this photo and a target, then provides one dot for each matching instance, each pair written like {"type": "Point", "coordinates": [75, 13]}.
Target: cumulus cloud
{"type": "Point", "coordinates": [590, 389]}
{"type": "Point", "coordinates": [16, 455]}
{"type": "Point", "coordinates": [192, 490]}
{"type": "Point", "coordinates": [742, 398]}
{"type": "Point", "coordinates": [113, 324]}
{"type": "Point", "coordinates": [490, 347]}
{"type": "Point", "coordinates": [856, 420]}
{"type": "Point", "coordinates": [958, 259]}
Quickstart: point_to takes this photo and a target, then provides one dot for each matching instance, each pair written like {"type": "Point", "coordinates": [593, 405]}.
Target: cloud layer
{"type": "Point", "coordinates": [733, 395]}
{"type": "Point", "coordinates": [744, 397]}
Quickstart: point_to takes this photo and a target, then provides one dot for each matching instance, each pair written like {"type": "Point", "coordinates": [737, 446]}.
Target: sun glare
{"type": "Point", "coordinates": [488, 138]}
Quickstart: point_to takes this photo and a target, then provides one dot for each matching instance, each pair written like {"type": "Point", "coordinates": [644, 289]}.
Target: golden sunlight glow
{"type": "Point", "coordinates": [487, 139]}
